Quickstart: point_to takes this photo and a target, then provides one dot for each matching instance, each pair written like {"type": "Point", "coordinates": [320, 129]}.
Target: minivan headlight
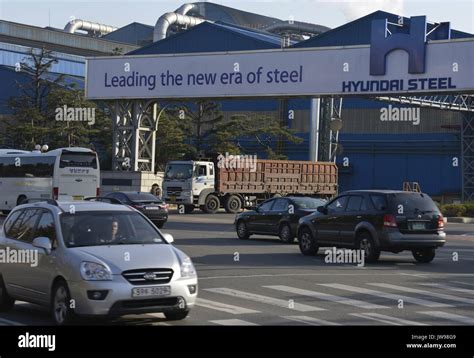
{"type": "Point", "coordinates": [91, 271]}
{"type": "Point", "coordinates": [187, 268]}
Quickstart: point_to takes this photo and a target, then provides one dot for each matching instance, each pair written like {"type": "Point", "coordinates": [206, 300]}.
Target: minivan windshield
{"type": "Point", "coordinates": [96, 228]}
{"type": "Point", "coordinates": [412, 203]}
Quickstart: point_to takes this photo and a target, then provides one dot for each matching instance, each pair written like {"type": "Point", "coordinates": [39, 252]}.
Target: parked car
{"type": "Point", "coordinates": [375, 221]}
{"type": "Point", "coordinates": [110, 259]}
{"type": "Point", "coordinates": [151, 206]}
{"type": "Point", "coordinates": [276, 216]}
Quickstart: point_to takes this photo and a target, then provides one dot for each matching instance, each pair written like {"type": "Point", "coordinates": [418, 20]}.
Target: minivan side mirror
{"type": "Point", "coordinates": [323, 209]}
{"type": "Point", "coordinates": [168, 237]}
{"type": "Point", "coordinates": [43, 243]}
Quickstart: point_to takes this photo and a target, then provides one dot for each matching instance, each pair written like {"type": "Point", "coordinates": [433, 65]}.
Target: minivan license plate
{"type": "Point", "coordinates": [151, 291]}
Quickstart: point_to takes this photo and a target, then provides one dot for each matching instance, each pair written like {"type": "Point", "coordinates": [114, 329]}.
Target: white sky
{"type": "Point", "coordinates": [329, 13]}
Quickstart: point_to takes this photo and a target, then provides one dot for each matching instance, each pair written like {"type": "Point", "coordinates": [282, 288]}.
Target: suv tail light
{"type": "Point", "coordinates": [440, 222]}
{"type": "Point", "coordinates": [55, 193]}
{"type": "Point", "coordinates": [164, 206]}
{"type": "Point", "coordinates": [389, 221]}
{"type": "Point", "coordinates": [97, 192]}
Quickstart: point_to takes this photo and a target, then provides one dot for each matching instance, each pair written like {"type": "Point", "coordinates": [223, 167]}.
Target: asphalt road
{"type": "Point", "coordinates": [265, 282]}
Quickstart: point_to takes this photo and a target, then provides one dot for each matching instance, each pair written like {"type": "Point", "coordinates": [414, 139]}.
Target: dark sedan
{"type": "Point", "coordinates": [153, 208]}
{"type": "Point", "coordinates": [277, 217]}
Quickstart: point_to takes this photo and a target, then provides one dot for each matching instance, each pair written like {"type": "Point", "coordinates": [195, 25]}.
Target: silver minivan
{"type": "Point", "coordinates": [92, 258]}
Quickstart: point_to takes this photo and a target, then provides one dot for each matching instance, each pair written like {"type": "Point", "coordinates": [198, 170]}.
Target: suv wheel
{"type": "Point", "coordinates": [60, 304]}
{"type": "Point", "coordinates": [242, 230]}
{"type": "Point", "coordinates": [366, 242]}
{"type": "Point", "coordinates": [176, 315]}
{"type": "Point", "coordinates": [6, 302]}
{"type": "Point", "coordinates": [285, 234]}
{"type": "Point", "coordinates": [307, 242]}
{"type": "Point", "coordinates": [424, 255]}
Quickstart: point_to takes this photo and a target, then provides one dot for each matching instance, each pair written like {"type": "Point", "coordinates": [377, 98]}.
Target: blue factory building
{"type": "Point", "coordinates": [375, 153]}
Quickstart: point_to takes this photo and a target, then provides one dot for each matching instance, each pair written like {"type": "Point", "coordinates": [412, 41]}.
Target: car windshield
{"type": "Point", "coordinates": [96, 228]}
{"type": "Point", "coordinates": [412, 203]}
{"type": "Point", "coordinates": [308, 203]}
{"type": "Point", "coordinates": [179, 171]}
{"type": "Point", "coordinates": [143, 197]}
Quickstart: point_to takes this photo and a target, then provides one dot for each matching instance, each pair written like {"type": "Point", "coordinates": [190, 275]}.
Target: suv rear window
{"type": "Point", "coordinates": [411, 203]}
{"type": "Point", "coordinates": [379, 201]}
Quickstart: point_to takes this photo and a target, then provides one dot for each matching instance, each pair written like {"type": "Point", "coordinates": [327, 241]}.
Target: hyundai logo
{"type": "Point", "coordinates": [149, 276]}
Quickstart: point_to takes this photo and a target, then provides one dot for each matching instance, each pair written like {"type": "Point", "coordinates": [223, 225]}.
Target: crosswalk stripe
{"type": "Point", "coordinates": [417, 301]}
{"type": "Point", "coordinates": [387, 319]}
{"type": "Point", "coordinates": [218, 306]}
{"type": "Point", "coordinates": [424, 292]}
{"type": "Point", "coordinates": [233, 322]}
{"type": "Point", "coordinates": [326, 296]}
{"type": "Point", "coordinates": [311, 321]}
{"type": "Point", "coordinates": [450, 316]}
{"type": "Point", "coordinates": [449, 287]}
{"type": "Point", "coordinates": [264, 299]}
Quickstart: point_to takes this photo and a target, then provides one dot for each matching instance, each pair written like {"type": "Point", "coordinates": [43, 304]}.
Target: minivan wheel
{"type": "Point", "coordinates": [242, 230]}
{"type": "Point", "coordinates": [176, 315]}
{"type": "Point", "coordinates": [424, 255]}
{"type": "Point", "coordinates": [367, 243]}
{"type": "Point", "coordinates": [60, 304]}
{"type": "Point", "coordinates": [6, 302]}
{"type": "Point", "coordinates": [307, 242]}
{"type": "Point", "coordinates": [285, 234]}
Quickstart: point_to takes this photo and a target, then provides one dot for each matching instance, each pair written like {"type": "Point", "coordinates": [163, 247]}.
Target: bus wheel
{"type": "Point", "coordinates": [21, 199]}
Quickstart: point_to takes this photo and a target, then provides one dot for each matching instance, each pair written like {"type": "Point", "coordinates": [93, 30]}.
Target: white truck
{"type": "Point", "coordinates": [208, 186]}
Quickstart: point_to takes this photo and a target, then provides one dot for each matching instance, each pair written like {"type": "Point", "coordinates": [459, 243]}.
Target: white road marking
{"type": "Point", "coordinates": [327, 297]}
{"type": "Point", "coordinates": [233, 322]}
{"type": "Point", "coordinates": [387, 319]}
{"type": "Point", "coordinates": [464, 283]}
{"type": "Point", "coordinates": [311, 321]}
{"type": "Point", "coordinates": [224, 307]}
{"type": "Point", "coordinates": [263, 299]}
{"type": "Point", "coordinates": [449, 287]}
{"type": "Point", "coordinates": [330, 274]}
{"type": "Point", "coordinates": [424, 292]}
{"type": "Point", "coordinates": [450, 316]}
{"type": "Point", "coordinates": [392, 296]}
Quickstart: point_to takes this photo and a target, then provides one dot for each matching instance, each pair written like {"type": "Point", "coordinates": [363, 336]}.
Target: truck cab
{"type": "Point", "coordinates": [188, 182]}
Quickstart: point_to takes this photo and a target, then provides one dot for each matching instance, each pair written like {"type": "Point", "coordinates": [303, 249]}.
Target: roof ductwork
{"type": "Point", "coordinates": [173, 18]}
{"type": "Point", "coordinates": [296, 27]}
{"type": "Point", "coordinates": [89, 27]}
{"type": "Point", "coordinates": [184, 9]}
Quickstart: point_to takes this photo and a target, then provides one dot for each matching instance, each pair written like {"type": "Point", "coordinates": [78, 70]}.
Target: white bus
{"type": "Point", "coordinates": [62, 174]}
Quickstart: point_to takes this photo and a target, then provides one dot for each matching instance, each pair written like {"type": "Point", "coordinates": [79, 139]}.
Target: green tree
{"type": "Point", "coordinates": [261, 130]}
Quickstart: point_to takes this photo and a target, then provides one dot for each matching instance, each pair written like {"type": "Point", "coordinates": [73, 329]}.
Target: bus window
{"type": "Point", "coordinates": [78, 159]}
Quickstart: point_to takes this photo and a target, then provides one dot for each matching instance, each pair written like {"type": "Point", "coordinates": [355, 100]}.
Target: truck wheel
{"type": "Point", "coordinates": [212, 204]}
{"type": "Point", "coordinates": [424, 255]}
{"type": "Point", "coordinates": [233, 204]}
{"type": "Point", "coordinates": [188, 209]}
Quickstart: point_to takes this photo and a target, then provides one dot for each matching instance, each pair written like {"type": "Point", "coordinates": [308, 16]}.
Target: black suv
{"type": "Point", "coordinates": [374, 221]}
